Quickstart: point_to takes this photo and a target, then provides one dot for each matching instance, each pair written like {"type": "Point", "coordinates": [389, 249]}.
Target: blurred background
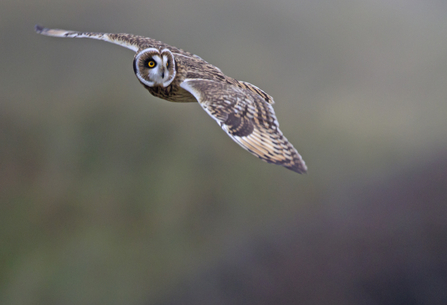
{"type": "Point", "coordinates": [111, 196]}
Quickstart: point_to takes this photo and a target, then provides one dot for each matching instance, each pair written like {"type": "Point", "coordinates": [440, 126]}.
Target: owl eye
{"type": "Point", "coordinates": [151, 63]}
{"type": "Point", "coordinates": [167, 64]}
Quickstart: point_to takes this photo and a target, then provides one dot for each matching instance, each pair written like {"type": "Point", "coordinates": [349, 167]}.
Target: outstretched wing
{"type": "Point", "coordinates": [248, 119]}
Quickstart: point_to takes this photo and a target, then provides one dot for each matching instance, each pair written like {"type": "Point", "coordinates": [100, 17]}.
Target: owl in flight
{"type": "Point", "coordinates": [243, 110]}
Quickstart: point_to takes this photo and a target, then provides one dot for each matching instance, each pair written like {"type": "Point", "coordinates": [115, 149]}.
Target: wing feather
{"type": "Point", "coordinates": [247, 116]}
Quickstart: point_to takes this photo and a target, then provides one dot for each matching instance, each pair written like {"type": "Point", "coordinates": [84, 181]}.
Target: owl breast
{"type": "Point", "coordinates": [172, 93]}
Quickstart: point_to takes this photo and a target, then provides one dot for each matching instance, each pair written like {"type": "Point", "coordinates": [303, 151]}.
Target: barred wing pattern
{"type": "Point", "coordinates": [247, 118]}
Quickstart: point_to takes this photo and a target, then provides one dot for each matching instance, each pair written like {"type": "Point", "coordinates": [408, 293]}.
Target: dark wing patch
{"type": "Point", "coordinates": [248, 119]}
{"type": "Point", "coordinates": [239, 125]}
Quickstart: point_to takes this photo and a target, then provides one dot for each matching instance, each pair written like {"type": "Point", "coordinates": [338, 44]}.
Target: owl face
{"type": "Point", "coordinates": [155, 68]}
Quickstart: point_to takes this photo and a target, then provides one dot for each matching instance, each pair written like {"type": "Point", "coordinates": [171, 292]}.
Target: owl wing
{"type": "Point", "coordinates": [248, 119]}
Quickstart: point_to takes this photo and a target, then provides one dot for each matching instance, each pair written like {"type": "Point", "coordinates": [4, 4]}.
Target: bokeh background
{"type": "Point", "coordinates": [111, 196]}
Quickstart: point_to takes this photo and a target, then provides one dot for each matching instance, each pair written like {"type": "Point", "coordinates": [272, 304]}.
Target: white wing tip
{"type": "Point", "coordinates": [49, 32]}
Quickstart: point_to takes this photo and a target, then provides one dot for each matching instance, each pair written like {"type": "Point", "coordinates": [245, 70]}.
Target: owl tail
{"type": "Point", "coordinates": [126, 40]}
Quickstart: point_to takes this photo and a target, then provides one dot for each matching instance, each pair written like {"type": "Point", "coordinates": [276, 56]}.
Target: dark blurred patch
{"type": "Point", "coordinates": [383, 244]}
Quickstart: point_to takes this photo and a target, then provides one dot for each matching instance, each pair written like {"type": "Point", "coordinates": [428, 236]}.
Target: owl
{"type": "Point", "coordinates": [243, 110]}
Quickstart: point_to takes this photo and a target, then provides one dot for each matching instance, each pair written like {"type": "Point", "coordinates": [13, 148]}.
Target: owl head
{"type": "Point", "coordinates": [154, 68]}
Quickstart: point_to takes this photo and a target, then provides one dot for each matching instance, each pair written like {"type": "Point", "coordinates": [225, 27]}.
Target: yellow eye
{"type": "Point", "coordinates": [167, 64]}
{"type": "Point", "coordinates": [151, 63]}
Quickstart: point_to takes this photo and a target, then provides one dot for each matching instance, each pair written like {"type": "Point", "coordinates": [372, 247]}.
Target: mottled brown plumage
{"type": "Point", "coordinates": [243, 110]}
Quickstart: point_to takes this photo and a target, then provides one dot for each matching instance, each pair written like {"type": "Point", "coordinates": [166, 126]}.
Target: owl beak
{"type": "Point", "coordinates": [163, 73]}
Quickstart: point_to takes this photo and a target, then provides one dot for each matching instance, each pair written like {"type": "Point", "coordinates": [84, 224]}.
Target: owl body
{"type": "Point", "coordinates": [188, 66]}
{"type": "Point", "coordinates": [243, 110]}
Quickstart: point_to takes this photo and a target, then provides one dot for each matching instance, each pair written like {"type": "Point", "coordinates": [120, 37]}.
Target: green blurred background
{"type": "Point", "coordinates": [111, 196]}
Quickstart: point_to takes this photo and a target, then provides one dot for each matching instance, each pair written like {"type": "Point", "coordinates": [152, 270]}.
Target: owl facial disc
{"type": "Point", "coordinates": [155, 68]}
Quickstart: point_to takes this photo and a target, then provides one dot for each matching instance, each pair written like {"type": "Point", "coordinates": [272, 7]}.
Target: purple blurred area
{"type": "Point", "coordinates": [388, 248]}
